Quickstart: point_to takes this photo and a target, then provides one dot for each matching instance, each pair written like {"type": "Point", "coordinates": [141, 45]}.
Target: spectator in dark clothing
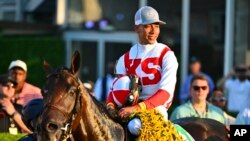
{"type": "Point", "coordinates": [30, 113]}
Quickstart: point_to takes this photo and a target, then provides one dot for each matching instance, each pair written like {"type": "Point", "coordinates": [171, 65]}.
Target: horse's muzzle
{"type": "Point", "coordinates": [49, 131]}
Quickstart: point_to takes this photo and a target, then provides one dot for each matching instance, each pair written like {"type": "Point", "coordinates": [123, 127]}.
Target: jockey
{"type": "Point", "coordinates": [154, 63]}
{"type": "Point", "coordinates": [125, 92]}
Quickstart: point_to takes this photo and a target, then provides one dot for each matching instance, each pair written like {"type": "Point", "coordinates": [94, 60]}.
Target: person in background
{"type": "Point", "coordinates": [218, 99]}
{"type": "Point", "coordinates": [155, 65]}
{"type": "Point", "coordinates": [24, 92]}
{"type": "Point", "coordinates": [237, 89]}
{"type": "Point", "coordinates": [243, 117]}
{"type": "Point", "coordinates": [102, 85]}
{"type": "Point", "coordinates": [8, 112]}
{"type": "Point", "coordinates": [198, 106]}
{"type": "Point", "coordinates": [195, 69]}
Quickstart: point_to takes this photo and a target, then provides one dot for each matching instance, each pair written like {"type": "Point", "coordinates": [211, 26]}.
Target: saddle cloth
{"type": "Point", "coordinates": [185, 135]}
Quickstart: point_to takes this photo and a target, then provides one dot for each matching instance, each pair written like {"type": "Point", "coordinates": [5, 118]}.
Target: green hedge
{"type": "Point", "coordinates": [33, 50]}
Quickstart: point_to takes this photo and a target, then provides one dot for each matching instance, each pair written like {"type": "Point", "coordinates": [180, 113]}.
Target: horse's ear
{"type": "Point", "coordinates": [75, 62]}
{"type": "Point", "coordinates": [47, 68]}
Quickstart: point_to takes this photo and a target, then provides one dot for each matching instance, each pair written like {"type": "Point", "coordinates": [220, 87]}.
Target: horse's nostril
{"type": "Point", "coordinates": [52, 127]}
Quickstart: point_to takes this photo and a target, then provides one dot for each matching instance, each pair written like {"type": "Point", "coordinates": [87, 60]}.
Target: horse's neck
{"type": "Point", "coordinates": [96, 123]}
{"type": "Point", "coordinates": [97, 114]}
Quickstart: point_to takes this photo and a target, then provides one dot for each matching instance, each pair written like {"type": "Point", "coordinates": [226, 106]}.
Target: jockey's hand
{"type": "Point", "coordinates": [127, 111]}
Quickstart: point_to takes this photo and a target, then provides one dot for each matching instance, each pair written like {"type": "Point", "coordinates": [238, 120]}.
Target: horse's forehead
{"type": "Point", "coordinates": [63, 79]}
{"type": "Point", "coordinates": [58, 85]}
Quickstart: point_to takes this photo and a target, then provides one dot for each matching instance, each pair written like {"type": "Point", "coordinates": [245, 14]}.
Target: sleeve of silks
{"type": "Point", "coordinates": [110, 101]}
{"type": "Point", "coordinates": [159, 98]}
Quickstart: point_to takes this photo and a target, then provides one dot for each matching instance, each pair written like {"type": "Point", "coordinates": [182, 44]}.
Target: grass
{"type": "Point", "coordinates": [10, 137]}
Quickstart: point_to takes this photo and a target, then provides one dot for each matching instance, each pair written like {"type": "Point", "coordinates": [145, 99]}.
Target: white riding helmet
{"type": "Point", "coordinates": [122, 90]}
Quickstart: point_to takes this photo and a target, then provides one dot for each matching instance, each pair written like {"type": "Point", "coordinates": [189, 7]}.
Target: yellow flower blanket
{"type": "Point", "coordinates": [155, 127]}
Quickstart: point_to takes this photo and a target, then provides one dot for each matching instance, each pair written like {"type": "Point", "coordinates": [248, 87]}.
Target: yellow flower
{"type": "Point", "coordinates": [155, 127]}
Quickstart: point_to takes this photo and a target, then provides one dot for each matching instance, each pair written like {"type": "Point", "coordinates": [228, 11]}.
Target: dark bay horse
{"type": "Point", "coordinates": [70, 113]}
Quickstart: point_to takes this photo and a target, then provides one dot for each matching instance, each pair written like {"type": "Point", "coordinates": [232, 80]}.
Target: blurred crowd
{"type": "Point", "coordinates": [227, 100]}
{"type": "Point", "coordinates": [231, 93]}
{"type": "Point", "coordinates": [15, 93]}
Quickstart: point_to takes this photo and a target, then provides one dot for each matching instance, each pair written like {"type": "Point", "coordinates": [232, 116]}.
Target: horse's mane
{"type": "Point", "coordinates": [98, 117]}
{"type": "Point", "coordinates": [100, 106]}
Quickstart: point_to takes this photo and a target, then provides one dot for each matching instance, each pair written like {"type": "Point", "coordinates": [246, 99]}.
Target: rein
{"type": "Point", "coordinates": [67, 128]}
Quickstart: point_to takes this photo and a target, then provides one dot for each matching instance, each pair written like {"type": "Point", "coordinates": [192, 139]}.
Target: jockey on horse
{"type": "Point", "coordinates": [125, 92]}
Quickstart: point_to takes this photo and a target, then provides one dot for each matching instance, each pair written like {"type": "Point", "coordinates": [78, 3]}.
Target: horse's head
{"type": "Point", "coordinates": [62, 101]}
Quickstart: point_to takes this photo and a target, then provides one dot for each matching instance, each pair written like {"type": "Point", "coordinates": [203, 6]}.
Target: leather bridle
{"type": "Point", "coordinates": [70, 116]}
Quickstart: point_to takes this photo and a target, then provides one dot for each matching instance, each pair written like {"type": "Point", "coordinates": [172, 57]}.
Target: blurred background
{"type": "Point", "coordinates": [215, 31]}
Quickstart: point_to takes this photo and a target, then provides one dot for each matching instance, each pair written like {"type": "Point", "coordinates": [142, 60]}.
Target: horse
{"type": "Point", "coordinates": [70, 113]}
{"type": "Point", "coordinates": [204, 129]}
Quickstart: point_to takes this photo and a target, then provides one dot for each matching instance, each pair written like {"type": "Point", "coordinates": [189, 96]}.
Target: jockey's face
{"type": "Point", "coordinates": [148, 34]}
